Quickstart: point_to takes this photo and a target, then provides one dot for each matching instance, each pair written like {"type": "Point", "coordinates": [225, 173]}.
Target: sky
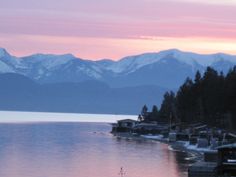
{"type": "Point", "coordinates": [112, 29]}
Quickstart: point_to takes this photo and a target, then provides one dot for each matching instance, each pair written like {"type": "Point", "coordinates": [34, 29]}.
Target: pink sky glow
{"type": "Point", "coordinates": [113, 29]}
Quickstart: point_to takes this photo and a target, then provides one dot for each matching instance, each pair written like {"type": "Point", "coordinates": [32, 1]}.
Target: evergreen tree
{"type": "Point", "coordinates": [144, 110]}
{"type": "Point", "coordinates": [198, 77]}
{"type": "Point", "coordinates": [185, 101]}
{"type": "Point", "coordinates": [154, 113]}
{"type": "Point", "coordinates": [211, 96]}
{"type": "Point", "coordinates": [230, 87]}
{"type": "Point", "coordinates": [167, 110]}
{"type": "Point", "coordinates": [197, 97]}
{"type": "Point", "coordinates": [209, 99]}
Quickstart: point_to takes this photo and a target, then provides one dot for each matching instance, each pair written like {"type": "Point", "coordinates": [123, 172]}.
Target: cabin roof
{"type": "Point", "coordinates": [200, 127]}
{"type": "Point", "coordinates": [147, 124]}
{"type": "Point", "coordinates": [127, 120]}
{"type": "Point", "coordinates": [232, 134]}
{"type": "Point", "coordinates": [150, 125]}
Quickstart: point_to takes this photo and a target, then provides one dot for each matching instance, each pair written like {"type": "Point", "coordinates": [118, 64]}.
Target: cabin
{"type": "Point", "coordinates": [172, 137]}
{"type": "Point", "coordinates": [125, 125]}
{"type": "Point", "coordinates": [228, 138]}
{"type": "Point", "coordinates": [202, 143]}
{"type": "Point", "coordinates": [193, 139]}
{"type": "Point", "coordinates": [182, 136]}
{"type": "Point", "coordinates": [227, 160]}
{"type": "Point", "coordinates": [199, 128]}
{"type": "Point", "coordinates": [149, 128]}
{"type": "Point", "coordinates": [214, 143]}
{"type": "Point", "coordinates": [179, 136]}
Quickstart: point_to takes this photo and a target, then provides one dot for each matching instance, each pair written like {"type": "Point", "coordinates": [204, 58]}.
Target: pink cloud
{"type": "Point", "coordinates": [115, 21]}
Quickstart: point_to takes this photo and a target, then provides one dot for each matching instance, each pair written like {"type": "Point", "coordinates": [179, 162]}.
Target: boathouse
{"type": "Point", "coordinates": [227, 160]}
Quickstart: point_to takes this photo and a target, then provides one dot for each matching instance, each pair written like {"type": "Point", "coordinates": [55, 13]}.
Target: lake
{"type": "Point", "coordinates": [82, 149]}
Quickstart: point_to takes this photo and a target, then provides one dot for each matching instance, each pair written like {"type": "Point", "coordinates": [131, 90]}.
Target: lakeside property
{"type": "Point", "coordinates": [200, 117]}
{"type": "Point", "coordinates": [199, 137]}
{"type": "Point", "coordinates": [216, 146]}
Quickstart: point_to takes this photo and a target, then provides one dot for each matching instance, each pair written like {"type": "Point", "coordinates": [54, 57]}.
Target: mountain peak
{"type": "Point", "coordinates": [3, 52]}
{"type": "Point", "coordinates": [172, 51]}
{"type": "Point", "coordinates": [68, 55]}
{"type": "Point", "coordinates": [46, 56]}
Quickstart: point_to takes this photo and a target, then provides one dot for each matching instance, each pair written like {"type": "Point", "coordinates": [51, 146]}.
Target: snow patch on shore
{"type": "Point", "coordinates": [195, 148]}
{"type": "Point", "coordinates": [152, 137]}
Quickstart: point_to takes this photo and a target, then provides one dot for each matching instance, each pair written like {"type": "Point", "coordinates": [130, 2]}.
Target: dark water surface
{"type": "Point", "coordinates": [82, 150]}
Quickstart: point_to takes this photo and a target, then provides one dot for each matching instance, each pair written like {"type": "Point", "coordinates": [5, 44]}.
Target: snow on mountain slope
{"type": "Point", "coordinates": [3, 52]}
{"type": "Point", "coordinates": [132, 63]}
{"type": "Point", "coordinates": [201, 59]}
{"type": "Point", "coordinates": [8, 63]}
{"type": "Point", "coordinates": [47, 61]}
{"type": "Point", "coordinates": [105, 62]}
{"type": "Point", "coordinates": [80, 67]}
{"type": "Point", "coordinates": [4, 68]}
{"type": "Point", "coordinates": [149, 68]}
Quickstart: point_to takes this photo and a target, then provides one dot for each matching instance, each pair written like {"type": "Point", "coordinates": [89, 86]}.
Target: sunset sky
{"type": "Point", "coordinates": [95, 29]}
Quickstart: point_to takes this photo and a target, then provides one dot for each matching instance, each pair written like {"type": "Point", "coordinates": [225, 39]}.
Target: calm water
{"type": "Point", "coordinates": [82, 150]}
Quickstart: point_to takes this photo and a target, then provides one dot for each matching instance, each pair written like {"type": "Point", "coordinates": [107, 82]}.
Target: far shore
{"type": "Point", "coordinates": [21, 117]}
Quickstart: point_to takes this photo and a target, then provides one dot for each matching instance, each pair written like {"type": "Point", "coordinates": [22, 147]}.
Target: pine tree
{"type": "Point", "coordinates": [198, 77]}
{"type": "Point", "coordinates": [168, 105]}
{"type": "Point", "coordinates": [155, 113]}
{"type": "Point", "coordinates": [144, 110]}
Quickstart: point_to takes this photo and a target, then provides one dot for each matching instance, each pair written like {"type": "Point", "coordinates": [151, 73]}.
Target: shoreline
{"type": "Point", "coordinates": [198, 155]}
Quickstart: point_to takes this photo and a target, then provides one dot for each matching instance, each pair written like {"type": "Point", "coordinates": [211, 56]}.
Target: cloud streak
{"type": "Point", "coordinates": [113, 48]}
{"type": "Point", "coordinates": [213, 2]}
{"type": "Point", "coordinates": [108, 23]}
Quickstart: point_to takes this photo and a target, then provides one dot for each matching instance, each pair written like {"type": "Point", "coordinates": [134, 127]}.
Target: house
{"type": "Point", "coordinates": [198, 128]}
{"type": "Point", "coordinates": [172, 136]}
{"type": "Point", "coordinates": [178, 136]}
{"type": "Point", "coordinates": [229, 138]}
{"type": "Point", "coordinates": [149, 128]}
{"type": "Point", "coordinates": [193, 139]}
{"type": "Point", "coordinates": [125, 125]}
{"type": "Point", "coordinates": [202, 143]}
{"type": "Point", "coordinates": [227, 160]}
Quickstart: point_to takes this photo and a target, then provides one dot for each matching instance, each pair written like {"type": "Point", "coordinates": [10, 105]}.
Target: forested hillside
{"type": "Point", "coordinates": [209, 99]}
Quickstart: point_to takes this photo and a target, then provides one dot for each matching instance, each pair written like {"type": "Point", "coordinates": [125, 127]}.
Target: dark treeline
{"type": "Point", "coordinates": [209, 99]}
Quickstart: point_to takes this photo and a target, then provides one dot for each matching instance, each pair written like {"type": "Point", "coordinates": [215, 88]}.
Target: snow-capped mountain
{"type": "Point", "coordinates": [8, 63]}
{"type": "Point", "coordinates": [51, 68]}
{"type": "Point", "coordinates": [60, 68]}
{"type": "Point", "coordinates": [132, 63]}
{"type": "Point", "coordinates": [167, 68]}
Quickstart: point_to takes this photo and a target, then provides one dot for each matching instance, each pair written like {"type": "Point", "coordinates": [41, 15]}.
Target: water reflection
{"type": "Point", "coordinates": [82, 150]}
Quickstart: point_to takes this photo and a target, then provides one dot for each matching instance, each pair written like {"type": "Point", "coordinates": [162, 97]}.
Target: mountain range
{"type": "Point", "coordinates": [70, 84]}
